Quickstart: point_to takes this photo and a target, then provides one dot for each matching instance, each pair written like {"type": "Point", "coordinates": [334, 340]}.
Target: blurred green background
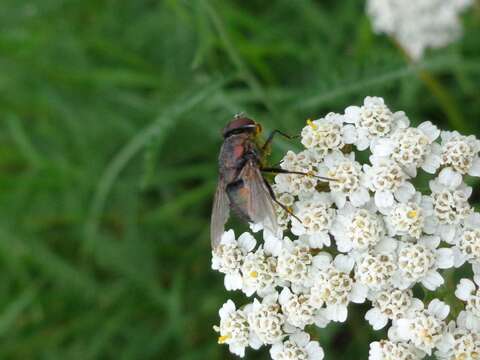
{"type": "Point", "coordinates": [110, 119]}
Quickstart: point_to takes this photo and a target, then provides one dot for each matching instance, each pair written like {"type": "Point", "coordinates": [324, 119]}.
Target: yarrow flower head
{"type": "Point", "coordinates": [418, 25]}
{"type": "Point", "coordinates": [424, 328]}
{"type": "Point", "coordinates": [419, 262]}
{"type": "Point", "coordinates": [391, 304]}
{"type": "Point", "coordinates": [348, 180]}
{"type": "Point", "coordinates": [234, 329]}
{"type": "Point", "coordinates": [458, 343]}
{"type": "Point", "coordinates": [229, 256]}
{"type": "Point", "coordinates": [294, 184]}
{"type": "Point", "coordinates": [297, 347]}
{"type": "Point", "coordinates": [467, 243]}
{"type": "Point", "coordinates": [358, 229]}
{"type": "Point", "coordinates": [325, 134]}
{"type": "Point", "coordinates": [412, 148]}
{"type": "Point", "coordinates": [461, 153]}
{"type": "Point", "coordinates": [469, 292]}
{"type": "Point", "coordinates": [372, 121]}
{"type": "Point", "coordinates": [390, 350]}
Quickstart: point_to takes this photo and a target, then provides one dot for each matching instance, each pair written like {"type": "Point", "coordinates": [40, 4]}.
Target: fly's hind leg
{"type": "Point", "coordinates": [274, 198]}
{"type": "Point", "coordinates": [284, 171]}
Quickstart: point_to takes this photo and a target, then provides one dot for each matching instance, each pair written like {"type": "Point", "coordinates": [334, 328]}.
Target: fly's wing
{"type": "Point", "coordinates": [260, 204]}
{"type": "Point", "coordinates": [220, 214]}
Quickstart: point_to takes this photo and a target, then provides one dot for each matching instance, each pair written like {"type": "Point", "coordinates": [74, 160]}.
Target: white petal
{"type": "Point", "coordinates": [343, 245]}
{"type": "Point", "coordinates": [237, 349]}
{"type": "Point", "coordinates": [300, 338]}
{"type": "Point", "coordinates": [339, 198]}
{"type": "Point", "coordinates": [382, 147]}
{"type": "Point", "coordinates": [360, 197]}
{"type": "Point", "coordinates": [473, 221]}
{"type": "Point", "coordinates": [405, 192]}
{"type": "Point", "coordinates": [430, 130]}
{"type": "Point", "coordinates": [400, 281]}
{"type": "Point", "coordinates": [376, 318]}
{"type": "Point", "coordinates": [475, 168]}
{"type": "Point", "coordinates": [403, 329]}
{"type": "Point", "coordinates": [450, 178]}
{"type": "Point", "coordinates": [322, 260]}
{"type": "Point", "coordinates": [337, 312]}
{"type": "Point", "coordinates": [271, 299]}
{"type": "Point", "coordinates": [459, 257]}
{"type": "Point", "coordinates": [438, 309]}
{"type": "Point", "coordinates": [386, 245]}
{"type": "Point", "coordinates": [446, 343]}
{"type": "Point", "coordinates": [359, 293]}
{"type": "Point", "coordinates": [362, 144]}
{"type": "Point", "coordinates": [411, 170]}
{"type": "Point", "coordinates": [349, 134]}
{"type": "Point", "coordinates": [226, 309]}
{"type": "Point", "coordinates": [431, 242]}
{"type": "Point", "coordinates": [445, 258]}
{"type": "Point", "coordinates": [376, 351]}
{"type": "Point", "coordinates": [432, 163]}
{"type": "Point", "coordinates": [344, 263]}
{"type": "Point", "coordinates": [254, 341]}
{"type": "Point", "coordinates": [256, 227]}
{"type": "Point", "coordinates": [233, 281]}
{"type": "Point", "coordinates": [284, 296]}
{"type": "Point", "coordinates": [465, 289]}
{"type": "Point", "coordinates": [432, 280]}
{"type": "Point", "coordinates": [401, 120]}
{"type": "Point", "coordinates": [416, 305]}
{"type": "Point", "coordinates": [476, 272]}
{"type": "Point", "coordinates": [447, 233]}
{"type": "Point", "coordinates": [430, 225]}
{"type": "Point", "coordinates": [228, 237]}
{"type": "Point", "coordinates": [352, 114]}
{"type": "Point", "coordinates": [321, 319]}
{"type": "Point", "coordinates": [383, 199]}
{"type": "Point", "coordinates": [247, 242]}
{"type": "Point", "coordinates": [314, 351]}
{"type": "Point", "coordinates": [317, 241]}
{"type": "Point", "coordinates": [272, 245]}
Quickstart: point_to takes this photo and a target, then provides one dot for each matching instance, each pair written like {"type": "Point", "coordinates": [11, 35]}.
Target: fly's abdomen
{"type": "Point", "coordinates": [239, 196]}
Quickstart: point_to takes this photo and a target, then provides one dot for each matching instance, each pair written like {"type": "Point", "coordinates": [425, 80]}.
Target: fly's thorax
{"type": "Point", "coordinates": [235, 151]}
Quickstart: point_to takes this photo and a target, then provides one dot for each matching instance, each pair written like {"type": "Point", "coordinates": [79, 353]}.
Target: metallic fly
{"type": "Point", "coordinates": [241, 186]}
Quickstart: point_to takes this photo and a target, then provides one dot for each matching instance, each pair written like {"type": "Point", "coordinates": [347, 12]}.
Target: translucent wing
{"type": "Point", "coordinates": [260, 204]}
{"type": "Point", "coordinates": [220, 214]}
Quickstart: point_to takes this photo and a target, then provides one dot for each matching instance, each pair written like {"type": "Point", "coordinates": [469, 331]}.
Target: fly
{"type": "Point", "coordinates": [241, 186]}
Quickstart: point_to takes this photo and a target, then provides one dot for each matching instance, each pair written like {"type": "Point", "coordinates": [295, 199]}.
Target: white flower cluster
{"type": "Point", "coordinates": [419, 24]}
{"type": "Point", "coordinates": [365, 235]}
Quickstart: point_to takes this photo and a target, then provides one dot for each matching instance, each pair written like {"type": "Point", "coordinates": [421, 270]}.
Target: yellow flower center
{"type": "Point", "coordinates": [412, 214]}
{"type": "Point", "coordinates": [223, 339]}
{"type": "Point", "coordinates": [312, 124]}
{"type": "Point", "coordinates": [254, 274]}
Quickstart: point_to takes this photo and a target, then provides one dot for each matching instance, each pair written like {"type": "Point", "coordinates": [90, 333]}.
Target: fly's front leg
{"type": "Point", "coordinates": [271, 136]}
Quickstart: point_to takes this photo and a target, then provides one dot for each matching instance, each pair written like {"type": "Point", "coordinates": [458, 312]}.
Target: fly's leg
{"type": "Point", "coordinates": [284, 171]}
{"type": "Point", "coordinates": [274, 198]}
{"type": "Point", "coordinates": [271, 136]}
